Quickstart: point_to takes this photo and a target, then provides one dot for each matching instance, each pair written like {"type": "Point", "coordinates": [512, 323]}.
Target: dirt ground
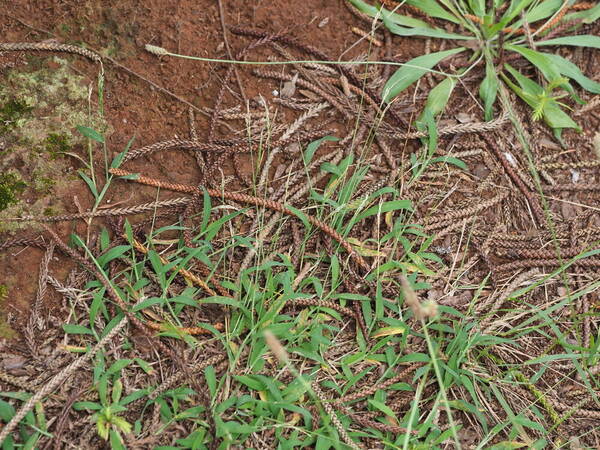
{"type": "Point", "coordinates": [135, 108]}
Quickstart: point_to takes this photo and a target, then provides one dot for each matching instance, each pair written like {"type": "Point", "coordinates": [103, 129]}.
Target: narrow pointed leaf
{"type": "Point", "coordinates": [488, 89]}
{"type": "Point", "coordinates": [439, 95]}
{"type": "Point", "coordinates": [584, 40]}
{"type": "Point", "coordinates": [413, 70]}
{"type": "Point", "coordinates": [568, 69]}
{"type": "Point", "coordinates": [422, 31]}
{"type": "Point", "coordinates": [433, 9]}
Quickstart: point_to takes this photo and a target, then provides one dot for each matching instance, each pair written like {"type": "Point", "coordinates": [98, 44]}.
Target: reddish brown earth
{"type": "Point", "coordinates": [134, 108]}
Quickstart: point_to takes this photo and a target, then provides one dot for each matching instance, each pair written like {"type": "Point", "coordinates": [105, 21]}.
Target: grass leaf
{"type": "Point", "coordinates": [413, 70]}
{"type": "Point", "coordinates": [438, 97]}
{"type": "Point", "coordinates": [538, 59]}
{"type": "Point", "coordinates": [76, 329]}
{"type": "Point", "coordinates": [313, 147]}
{"type": "Point", "coordinates": [433, 9]}
{"type": "Point", "coordinates": [422, 31]}
{"type": "Point", "coordinates": [90, 133]}
{"type": "Point", "coordinates": [488, 90]}
{"type": "Point", "coordinates": [584, 40]}
{"type": "Point", "coordinates": [568, 69]}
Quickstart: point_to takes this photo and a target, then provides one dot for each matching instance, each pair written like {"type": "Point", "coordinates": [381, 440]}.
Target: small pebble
{"type": "Point", "coordinates": [511, 159]}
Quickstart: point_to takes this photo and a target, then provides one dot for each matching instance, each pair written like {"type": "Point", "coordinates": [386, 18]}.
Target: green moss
{"type": "Point", "coordinates": [10, 186]}
{"type": "Point", "coordinates": [11, 113]}
{"type": "Point", "coordinates": [56, 144]}
{"type": "Point", "coordinates": [34, 147]}
{"type": "Point", "coordinates": [43, 184]}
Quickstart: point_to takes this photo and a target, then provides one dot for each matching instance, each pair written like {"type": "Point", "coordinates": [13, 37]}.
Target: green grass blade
{"type": "Point", "coordinates": [421, 31]}
{"type": "Point", "coordinates": [538, 59]}
{"type": "Point", "coordinates": [433, 9]}
{"type": "Point", "coordinates": [587, 16]}
{"type": "Point", "coordinates": [488, 90]}
{"type": "Point", "coordinates": [375, 12]}
{"type": "Point", "coordinates": [584, 40]}
{"type": "Point", "coordinates": [568, 69]}
{"type": "Point", "coordinates": [543, 10]}
{"type": "Point", "coordinates": [438, 97]}
{"type": "Point", "coordinates": [413, 70]}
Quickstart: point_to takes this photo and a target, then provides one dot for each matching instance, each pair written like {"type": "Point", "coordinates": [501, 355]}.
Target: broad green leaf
{"type": "Point", "coordinates": [80, 406]}
{"type": "Point", "coordinates": [507, 445]}
{"type": "Point", "coordinates": [543, 10]}
{"type": "Point", "coordinates": [184, 300]}
{"type": "Point", "coordinates": [89, 182]}
{"type": "Point", "coordinates": [478, 7]}
{"type": "Point", "coordinates": [413, 70]}
{"type": "Point", "coordinates": [382, 407]}
{"type": "Point", "coordinates": [568, 69]}
{"type": "Point", "coordinates": [380, 13]}
{"type": "Point", "coordinates": [433, 9]}
{"type": "Point", "coordinates": [438, 97]}
{"type": "Point", "coordinates": [7, 411]}
{"type": "Point", "coordinates": [363, 250]}
{"type": "Point", "coordinates": [531, 93]}
{"type": "Point", "coordinates": [144, 365]}
{"type": "Point", "coordinates": [113, 323]}
{"type": "Point", "coordinates": [488, 89]}
{"type": "Point", "coordinates": [76, 329]}
{"type": "Point", "coordinates": [529, 87]}
{"type": "Point", "coordinates": [130, 176]}
{"type": "Point", "coordinates": [528, 423]}
{"type": "Point", "coordinates": [513, 11]}
{"type": "Point", "coordinates": [226, 301]}
{"type": "Point", "coordinates": [117, 366]}
{"type": "Point", "coordinates": [449, 160]}
{"type": "Point", "coordinates": [113, 253]}
{"type": "Point", "coordinates": [538, 59]}
{"type": "Point", "coordinates": [104, 239]}
{"type": "Point", "coordinates": [301, 215]}
{"type": "Point", "coordinates": [587, 16]}
{"type": "Point", "coordinates": [584, 40]}
{"type": "Point", "coordinates": [555, 117]}
{"type": "Point", "coordinates": [211, 380]}
{"type": "Point", "coordinates": [147, 303]}
{"type": "Point", "coordinates": [393, 205]}
{"type": "Point", "coordinates": [116, 162]}
{"type": "Point", "coordinates": [156, 262]}
{"type": "Point", "coordinates": [314, 145]}
{"type": "Point", "coordinates": [116, 443]}
{"type": "Point", "coordinates": [388, 331]}
{"type": "Point", "coordinates": [422, 31]}
{"type": "Point", "coordinates": [252, 382]}
{"type": "Point", "coordinates": [117, 390]}
{"type": "Point", "coordinates": [97, 303]}
{"type": "Point", "coordinates": [90, 133]}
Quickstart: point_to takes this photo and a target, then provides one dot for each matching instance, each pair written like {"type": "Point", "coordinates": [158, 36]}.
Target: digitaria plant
{"type": "Point", "coordinates": [494, 34]}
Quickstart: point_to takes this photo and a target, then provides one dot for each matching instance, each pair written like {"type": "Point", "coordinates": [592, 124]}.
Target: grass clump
{"type": "Point", "coordinates": [10, 187]}
{"type": "Point", "coordinates": [495, 38]}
